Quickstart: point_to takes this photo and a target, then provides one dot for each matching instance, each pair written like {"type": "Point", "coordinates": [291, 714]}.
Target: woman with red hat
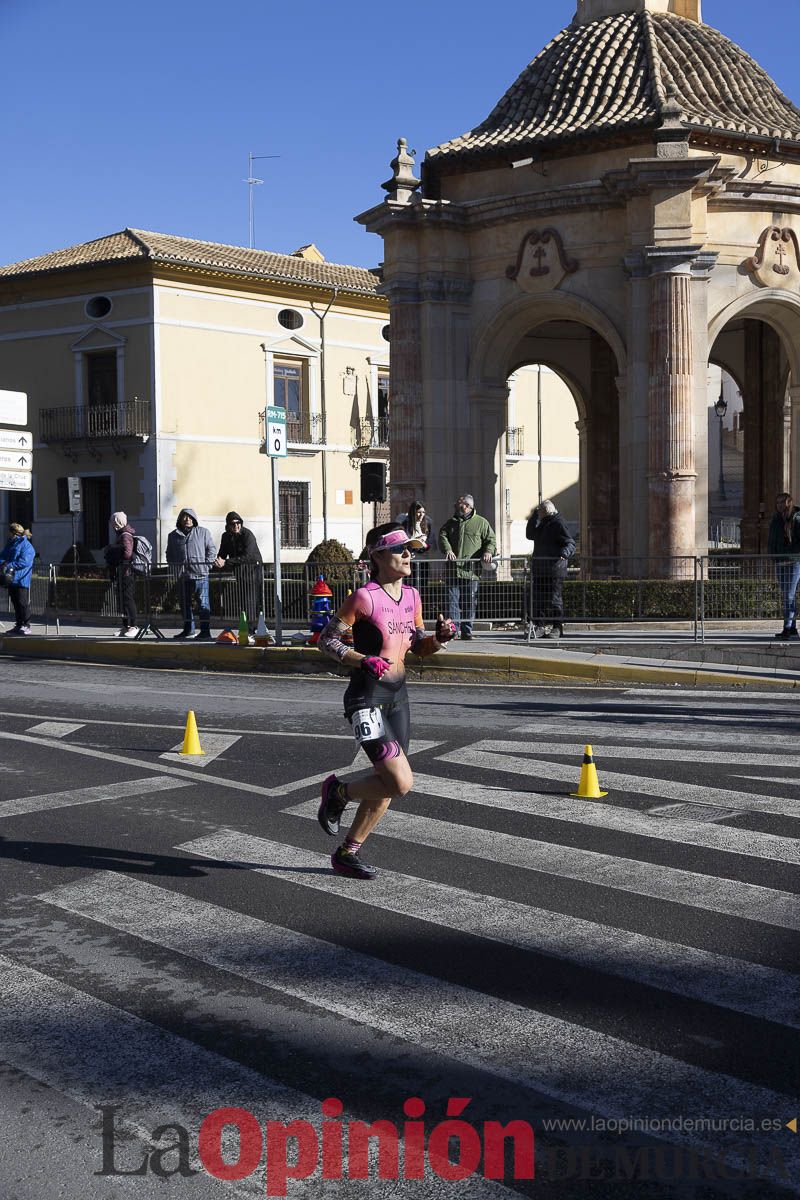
{"type": "Point", "coordinates": [385, 620]}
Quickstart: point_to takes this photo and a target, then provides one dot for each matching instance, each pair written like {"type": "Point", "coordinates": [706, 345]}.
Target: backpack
{"type": "Point", "coordinates": [142, 559]}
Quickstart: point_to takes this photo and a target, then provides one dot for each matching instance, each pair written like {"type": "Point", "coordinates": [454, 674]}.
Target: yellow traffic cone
{"type": "Point", "coordinates": [191, 741]}
{"type": "Point", "coordinates": [589, 787]}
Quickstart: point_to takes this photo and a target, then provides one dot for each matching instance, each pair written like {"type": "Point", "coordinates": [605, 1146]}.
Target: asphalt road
{"type": "Point", "coordinates": [174, 942]}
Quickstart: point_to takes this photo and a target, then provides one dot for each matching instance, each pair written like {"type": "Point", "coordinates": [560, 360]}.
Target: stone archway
{"type": "Point", "coordinates": [758, 340]}
{"type": "Point", "coordinates": [579, 342]}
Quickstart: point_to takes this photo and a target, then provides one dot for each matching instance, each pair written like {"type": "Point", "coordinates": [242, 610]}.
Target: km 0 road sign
{"type": "Point", "coordinates": [16, 460]}
{"type": "Point", "coordinates": [276, 433]}
{"type": "Point", "coordinates": [16, 439]}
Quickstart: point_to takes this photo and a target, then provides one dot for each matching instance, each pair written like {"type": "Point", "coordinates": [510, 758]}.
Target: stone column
{"type": "Point", "coordinates": [405, 399]}
{"type": "Point", "coordinates": [764, 432]}
{"type": "Point", "coordinates": [671, 398]}
{"type": "Point", "coordinates": [671, 417]}
{"type": "Point", "coordinates": [657, 409]}
{"type": "Point", "coordinates": [633, 401]}
{"type": "Point", "coordinates": [602, 454]}
{"type": "Point", "coordinates": [452, 439]}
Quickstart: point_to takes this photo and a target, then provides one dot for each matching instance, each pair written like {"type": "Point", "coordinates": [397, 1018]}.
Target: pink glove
{"type": "Point", "coordinates": [445, 630]}
{"type": "Point", "coordinates": [375, 666]}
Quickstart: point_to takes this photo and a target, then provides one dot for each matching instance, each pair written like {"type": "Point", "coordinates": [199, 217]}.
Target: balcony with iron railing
{"type": "Point", "coordinates": [515, 442]}
{"type": "Point", "coordinates": [372, 434]}
{"type": "Point", "coordinates": [96, 422]}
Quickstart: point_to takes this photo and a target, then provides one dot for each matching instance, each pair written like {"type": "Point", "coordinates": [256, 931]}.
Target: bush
{"type": "Point", "coordinates": [332, 559]}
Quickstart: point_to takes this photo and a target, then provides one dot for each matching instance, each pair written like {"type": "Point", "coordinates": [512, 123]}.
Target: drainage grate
{"type": "Point", "coordinates": [695, 812]}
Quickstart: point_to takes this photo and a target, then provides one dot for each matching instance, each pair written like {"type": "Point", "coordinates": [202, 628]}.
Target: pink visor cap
{"type": "Point", "coordinates": [395, 540]}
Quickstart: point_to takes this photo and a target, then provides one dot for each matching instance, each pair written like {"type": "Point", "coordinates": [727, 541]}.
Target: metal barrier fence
{"type": "Point", "coordinates": [509, 592]}
{"type": "Point", "coordinates": [81, 591]}
{"type": "Point", "coordinates": [619, 590]}
{"type": "Point", "coordinates": [38, 597]}
{"type": "Point", "coordinates": [736, 587]}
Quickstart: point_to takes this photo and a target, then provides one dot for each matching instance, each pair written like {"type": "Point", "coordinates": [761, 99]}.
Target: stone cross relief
{"type": "Point", "coordinates": [776, 262]}
{"type": "Point", "coordinates": [542, 262]}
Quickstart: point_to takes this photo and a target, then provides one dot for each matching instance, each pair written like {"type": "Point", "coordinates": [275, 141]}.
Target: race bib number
{"type": "Point", "coordinates": [368, 725]}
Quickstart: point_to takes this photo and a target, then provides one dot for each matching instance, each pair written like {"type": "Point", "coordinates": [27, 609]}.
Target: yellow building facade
{"type": "Point", "coordinates": [148, 359]}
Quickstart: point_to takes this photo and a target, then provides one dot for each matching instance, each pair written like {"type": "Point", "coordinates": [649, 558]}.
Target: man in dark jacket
{"type": "Point", "coordinates": [190, 552]}
{"type": "Point", "coordinates": [467, 541]}
{"type": "Point", "coordinates": [119, 556]}
{"type": "Point", "coordinates": [239, 551]}
{"type": "Point", "coordinates": [783, 542]}
{"type": "Point", "coordinates": [553, 546]}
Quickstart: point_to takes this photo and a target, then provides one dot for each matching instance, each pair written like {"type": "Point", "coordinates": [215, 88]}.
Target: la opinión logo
{"type": "Point", "coordinates": [454, 1149]}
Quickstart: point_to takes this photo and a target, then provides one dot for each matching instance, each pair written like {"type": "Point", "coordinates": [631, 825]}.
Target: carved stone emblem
{"type": "Point", "coordinates": [776, 262]}
{"type": "Point", "coordinates": [541, 262]}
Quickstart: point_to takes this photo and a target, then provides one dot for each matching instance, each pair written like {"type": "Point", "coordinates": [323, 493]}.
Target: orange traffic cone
{"type": "Point", "coordinates": [191, 741]}
{"type": "Point", "coordinates": [589, 787]}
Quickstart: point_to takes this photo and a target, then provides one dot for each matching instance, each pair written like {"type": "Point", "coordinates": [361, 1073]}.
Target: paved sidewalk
{"type": "Point", "coordinates": [744, 657]}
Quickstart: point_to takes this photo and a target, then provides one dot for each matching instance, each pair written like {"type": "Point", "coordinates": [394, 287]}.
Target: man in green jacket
{"type": "Point", "coordinates": [783, 543]}
{"type": "Point", "coordinates": [467, 541]}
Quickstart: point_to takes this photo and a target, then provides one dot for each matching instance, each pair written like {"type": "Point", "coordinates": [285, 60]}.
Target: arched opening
{"type": "Point", "coordinates": [567, 372]}
{"type": "Point", "coordinates": [752, 355]}
{"type": "Point", "coordinates": [725, 459]}
{"type": "Point", "coordinates": [542, 450]}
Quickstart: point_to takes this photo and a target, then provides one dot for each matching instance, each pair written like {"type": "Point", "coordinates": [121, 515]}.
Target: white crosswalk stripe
{"type": "Point", "coordinates": [713, 978]}
{"type": "Point", "coordinates": [56, 729]}
{"type": "Point", "coordinates": [90, 795]}
{"type": "Point", "coordinates": [588, 729]}
{"type": "Point", "coordinates": [605, 815]}
{"type": "Point", "coordinates": [737, 753]}
{"type": "Point", "coordinates": [90, 1050]}
{"type": "Point", "coordinates": [747, 901]}
{"type": "Point", "coordinates": [522, 1045]}
{"type": "Point", "coordinates": [213, 744]}
{"type": "Point", "coordinates": [500, 756]}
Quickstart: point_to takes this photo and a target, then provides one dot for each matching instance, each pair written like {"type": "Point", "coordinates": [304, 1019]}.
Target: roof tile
{"type": "Point", "coordinates": [167, 248]}
{"type": "Point", "coordinates": [612, 75]}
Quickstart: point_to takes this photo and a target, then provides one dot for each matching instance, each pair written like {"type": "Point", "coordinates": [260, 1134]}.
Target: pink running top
{"type": "Point", "coordinates": [382, 626]}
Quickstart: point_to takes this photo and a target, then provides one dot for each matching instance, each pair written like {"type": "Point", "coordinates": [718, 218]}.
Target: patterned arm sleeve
{"type": "Point", "coordinates": [336, 638]}
{"type": "Point", "coordinates": [332, 639]}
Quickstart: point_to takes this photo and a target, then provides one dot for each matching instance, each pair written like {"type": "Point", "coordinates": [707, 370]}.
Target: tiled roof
{"type": "Point", "coordinates": [612, 76]}
{"type": "Point", "coordinates": [165, 248]}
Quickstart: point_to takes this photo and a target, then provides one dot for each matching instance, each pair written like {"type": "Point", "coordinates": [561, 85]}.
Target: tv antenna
{"type": "Point", "coordinates": [253, 183]}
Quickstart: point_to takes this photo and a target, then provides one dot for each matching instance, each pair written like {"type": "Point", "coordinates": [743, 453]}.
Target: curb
{"type": "Point", "coordinates": [308, 661]}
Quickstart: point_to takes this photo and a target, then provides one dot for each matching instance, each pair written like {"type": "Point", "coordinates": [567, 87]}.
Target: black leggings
{"type": "Point", "coordinates": [20, 599]}
{"type": "Point", "coordinates": [394, 710]}
{"type": "Point", "coordinates": [125, 588]}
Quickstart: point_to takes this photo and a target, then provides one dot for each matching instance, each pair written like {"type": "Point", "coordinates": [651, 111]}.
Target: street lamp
{"type": "Point", "coordinates": [720, 408]}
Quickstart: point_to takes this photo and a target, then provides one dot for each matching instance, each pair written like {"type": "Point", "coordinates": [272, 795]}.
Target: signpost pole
{"type": "Point", "coordinates": [276, 547]}
{"type": "Point", "coordinates": [275, 429]}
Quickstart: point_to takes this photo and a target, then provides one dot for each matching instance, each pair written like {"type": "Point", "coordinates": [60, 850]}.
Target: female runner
{"type": "Point", "coordinates": [385, 618]}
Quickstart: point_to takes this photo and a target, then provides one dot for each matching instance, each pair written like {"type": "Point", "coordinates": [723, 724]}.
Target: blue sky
{"type": "Point", "coordinates": [143, 115]}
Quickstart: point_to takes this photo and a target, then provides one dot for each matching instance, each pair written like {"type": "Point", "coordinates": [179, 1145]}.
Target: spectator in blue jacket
{"type": "Point", "coordinates": [191, 552]}
{"type": "Point", "coordinates": [18, 553]}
